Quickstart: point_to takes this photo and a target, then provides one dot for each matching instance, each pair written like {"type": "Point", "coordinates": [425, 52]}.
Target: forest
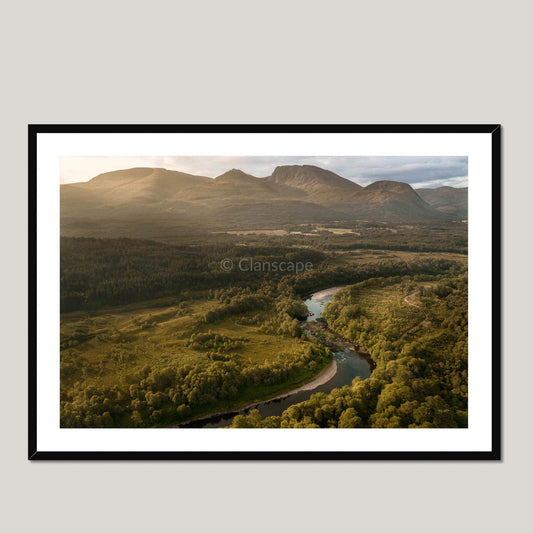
{"type": "Point", "coordinates": [204, 368]}
{"type": "Point", "coordinates": [155, 333]}
{"type": "Point", "coordinates": [421, 374]}
{"type": "Point", "coordinates": [96, 273]}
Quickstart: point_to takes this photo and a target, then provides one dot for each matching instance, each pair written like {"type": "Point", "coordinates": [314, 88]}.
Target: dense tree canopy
{"type": "Point", "coordinates": [421, 378]}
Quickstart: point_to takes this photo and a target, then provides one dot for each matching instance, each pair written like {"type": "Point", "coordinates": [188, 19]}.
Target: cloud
{"type": "Point", "coordinates": [413, 170]}
{"type": "Point", "coordinates": [418, 171]}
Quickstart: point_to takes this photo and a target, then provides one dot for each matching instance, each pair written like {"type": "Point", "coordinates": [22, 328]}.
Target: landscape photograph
{"type": "Point", "coordinates": [263, 292]}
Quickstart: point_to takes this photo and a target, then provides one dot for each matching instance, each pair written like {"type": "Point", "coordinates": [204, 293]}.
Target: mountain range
{"type": "Point", "coordinates": [144, 201]}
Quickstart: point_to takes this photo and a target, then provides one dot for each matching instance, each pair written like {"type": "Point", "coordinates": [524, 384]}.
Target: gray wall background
{"type": "Point", "coordinates": [266, 62]}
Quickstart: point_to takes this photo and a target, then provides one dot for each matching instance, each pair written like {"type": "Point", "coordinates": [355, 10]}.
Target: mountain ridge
{"type": "Point", "coordinates": [235, 199]}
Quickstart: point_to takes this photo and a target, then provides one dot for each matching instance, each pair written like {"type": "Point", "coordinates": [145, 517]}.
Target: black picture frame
{"type": "Point", "coordinates": [494, 454]}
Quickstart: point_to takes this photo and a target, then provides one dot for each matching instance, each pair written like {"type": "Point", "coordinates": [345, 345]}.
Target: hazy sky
{"type": "Point", "coordinates": [420, 171]}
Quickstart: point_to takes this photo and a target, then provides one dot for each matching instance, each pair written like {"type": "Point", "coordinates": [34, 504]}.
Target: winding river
{"type": "Point", "coordinates": [347, 364]}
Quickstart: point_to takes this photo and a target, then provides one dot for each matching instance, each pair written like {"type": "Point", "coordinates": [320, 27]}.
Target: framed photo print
{"type": "Point", "coordinates": [264, 292]}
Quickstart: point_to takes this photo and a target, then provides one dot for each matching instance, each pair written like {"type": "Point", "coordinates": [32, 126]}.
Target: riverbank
{"type": "Point", "coordinates": [316, 329]}
{"type": "Point", "coordinates": [323, 293]}
{"type": "Point", "coordinates": [323, 377]}
{"type": "Point", "coordinates": [320, 331]}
